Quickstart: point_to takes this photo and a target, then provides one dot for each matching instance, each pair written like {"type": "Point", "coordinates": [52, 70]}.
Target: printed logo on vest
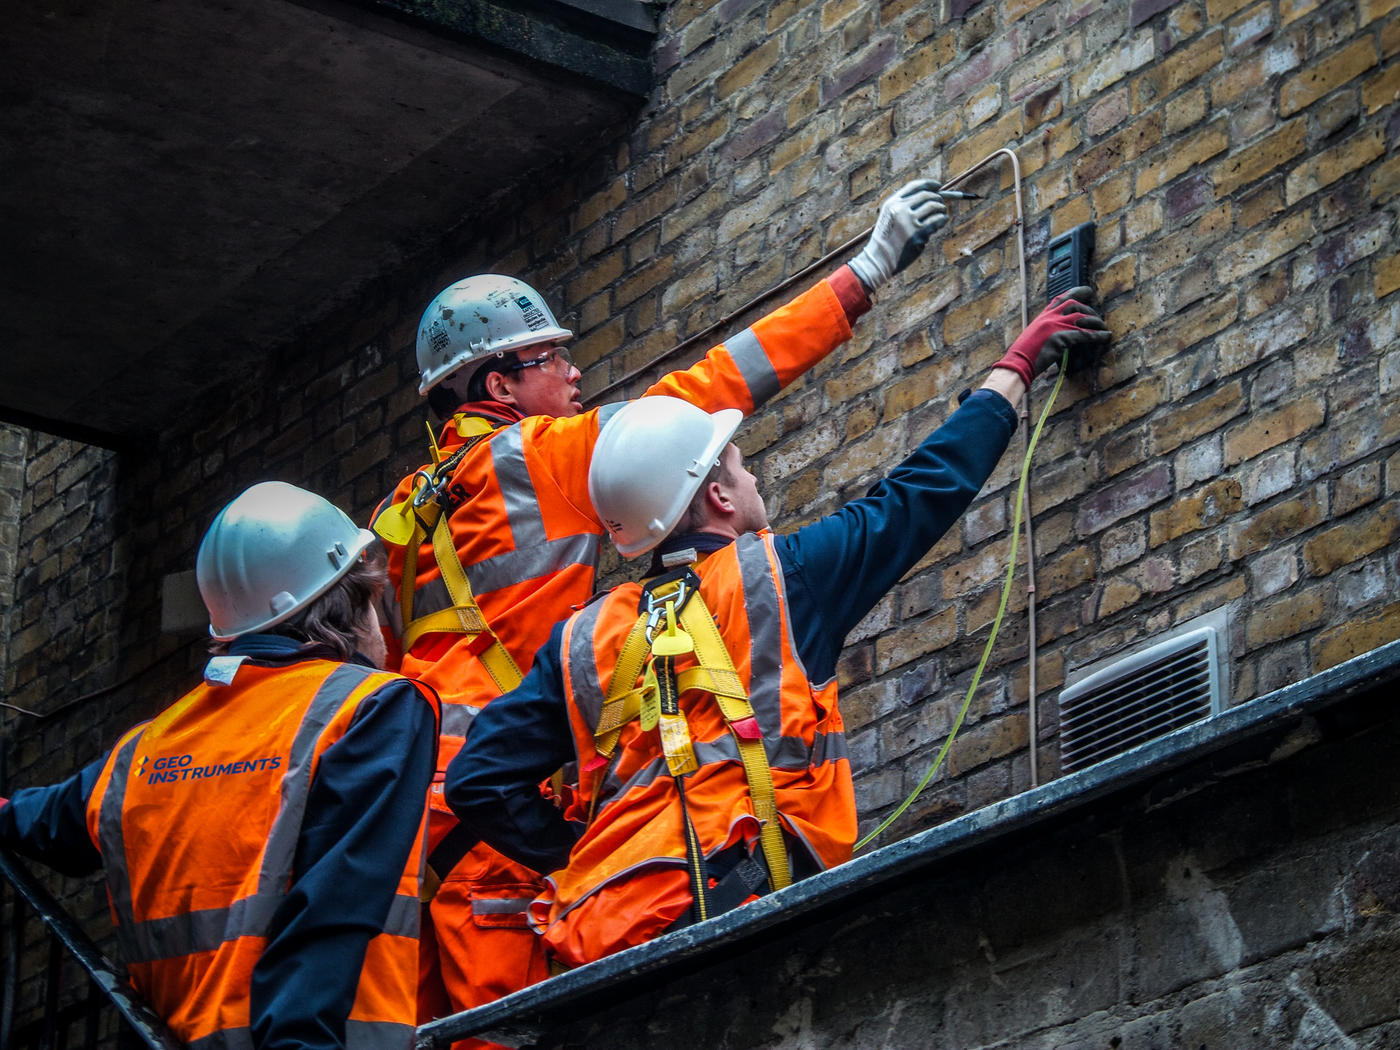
{"type": "Point", "coordinates": [171, 769]}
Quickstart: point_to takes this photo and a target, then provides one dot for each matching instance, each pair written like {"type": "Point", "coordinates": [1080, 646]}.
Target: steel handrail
{"type": "Point", "coordinates": [104, 974]}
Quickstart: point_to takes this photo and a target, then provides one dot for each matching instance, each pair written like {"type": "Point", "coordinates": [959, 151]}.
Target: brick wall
{"type": "Point", "coordinates": [1234, 451]}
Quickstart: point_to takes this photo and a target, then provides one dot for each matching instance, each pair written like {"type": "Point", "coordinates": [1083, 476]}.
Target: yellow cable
{"type": "Point", "coordinates": [996, 623]}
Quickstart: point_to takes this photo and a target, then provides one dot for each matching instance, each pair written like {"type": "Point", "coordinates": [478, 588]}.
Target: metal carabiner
{"type": "Point", "coordinates": [421, 495]}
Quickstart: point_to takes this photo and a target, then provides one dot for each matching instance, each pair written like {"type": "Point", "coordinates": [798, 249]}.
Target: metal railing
{"type": "Point", "coordinates": [107, 989]}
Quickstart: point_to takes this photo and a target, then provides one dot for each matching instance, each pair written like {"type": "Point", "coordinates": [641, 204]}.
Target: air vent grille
{"type": "Point", "coordinates": [1139, 698]}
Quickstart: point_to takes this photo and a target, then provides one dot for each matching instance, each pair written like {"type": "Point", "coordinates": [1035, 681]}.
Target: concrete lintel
{"type": "Point", "coordinates": [607, 41]}
{"type": "Point", "coordinates": [1269, 725]}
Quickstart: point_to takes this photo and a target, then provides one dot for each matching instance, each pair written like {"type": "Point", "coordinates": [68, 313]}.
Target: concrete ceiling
{"type": "Point", "coordinates": [185, 183]}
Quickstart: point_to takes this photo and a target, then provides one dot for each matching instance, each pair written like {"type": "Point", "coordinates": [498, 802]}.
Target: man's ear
{"type": "Point", "coordinates": [498, 387]}
{"type": "Point", "coordinates": [717, 499]}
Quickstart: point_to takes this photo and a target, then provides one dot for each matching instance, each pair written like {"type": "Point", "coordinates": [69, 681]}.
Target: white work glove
{"type": "Point", "coordinates": [906, 222]}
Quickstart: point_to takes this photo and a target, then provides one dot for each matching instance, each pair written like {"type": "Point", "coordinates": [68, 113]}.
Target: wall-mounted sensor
{"type": "Point", "coordinates": [1069, 260]}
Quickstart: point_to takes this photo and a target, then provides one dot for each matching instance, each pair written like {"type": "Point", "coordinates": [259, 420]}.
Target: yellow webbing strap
{"type": "Point", "coordinates": [734, 705]}
{"type": "Point", "coordinates": [717, 676]}
{"type": "Point", "coordinates": [464, 615]}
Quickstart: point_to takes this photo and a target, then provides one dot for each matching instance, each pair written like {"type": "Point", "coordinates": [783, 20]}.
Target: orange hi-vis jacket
{"type": "Point", "coordinates": [193, 908]}
{"type": "Point", "coordinates": [522, 522]}
{"type": "Point", "coordinates": [627, 878]}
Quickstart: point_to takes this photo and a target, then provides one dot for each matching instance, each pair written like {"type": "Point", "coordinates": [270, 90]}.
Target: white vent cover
{"type": "Point", "coordinates": [1140, 697]}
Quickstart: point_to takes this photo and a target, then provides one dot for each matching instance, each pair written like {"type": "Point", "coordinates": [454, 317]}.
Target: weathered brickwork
{"type": "Point", "coordinates": [1236, 449]}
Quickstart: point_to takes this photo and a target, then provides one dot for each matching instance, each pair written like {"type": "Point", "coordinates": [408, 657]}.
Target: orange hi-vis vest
{"type": "Point", "coordinates": [522, 524]}
{"type": "Point", "coordinates": [197, 815]}
{"type": "Point", "coordinates": [627, 879]}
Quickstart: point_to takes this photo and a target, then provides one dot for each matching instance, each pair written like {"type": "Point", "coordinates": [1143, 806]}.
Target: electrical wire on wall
{"type": "Point", "coordinates": [1022, 515]}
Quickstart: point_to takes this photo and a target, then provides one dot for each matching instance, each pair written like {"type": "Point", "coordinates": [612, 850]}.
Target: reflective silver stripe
{"type": "Point", "coordinates": [789, 753]}
{"type": "Point", "coordinates": [276, 872]}
{"type": "Point", "coordinates": [199, 931]}
{"type": "Point", "coordinates": [111, 842]}
{"type": "Point", "coordinates": [359, 1035]}
{"type": "Point", "coordinates": [405, 915]}
{"type": "Point", "coordinates": [582, 660]}
{"type": "Point", "coordinates": [500, 905]}
{"type": "Point", "coordinates": [206, 930]}
{"type": "Point", "coordinates": [761, 603]}
{"type": "Point", "coordinates": [502, 570]}
{"type": "Point", "coordinates": [606, 412]}
{"type": "Point", "coordinates": [457, 718]}
{"type": "Point", "coordinates": [517, 490]}
{"type": "Point", "coordinates": [829, 747]}
{"type": "Point", "coordinates": [378, 1035]}
{"type": "Point", "coordinates": [754, 366]}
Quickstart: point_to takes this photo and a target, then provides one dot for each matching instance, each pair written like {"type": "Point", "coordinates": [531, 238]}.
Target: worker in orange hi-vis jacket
{"type": "Point", "coordinates": [495, 540]}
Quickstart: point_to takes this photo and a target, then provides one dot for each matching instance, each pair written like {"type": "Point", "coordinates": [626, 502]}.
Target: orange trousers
{"type": "Point", "coordinates": [476, 944]}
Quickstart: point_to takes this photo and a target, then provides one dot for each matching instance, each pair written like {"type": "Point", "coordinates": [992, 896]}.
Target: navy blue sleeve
{"type": "Point", "coordinates": [49, 824]}
{"type": "Point", "coordinates": [362, 817]}
{"type": "Point", "coordinates": [515, 742]}
{"type": "Point", "coordinates": [838, 568]}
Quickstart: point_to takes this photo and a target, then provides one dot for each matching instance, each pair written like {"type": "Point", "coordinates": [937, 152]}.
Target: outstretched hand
{"type": "Point", "coordinates": [1068, 323]}
{"type": "Point", "coordinates": [906, 221]}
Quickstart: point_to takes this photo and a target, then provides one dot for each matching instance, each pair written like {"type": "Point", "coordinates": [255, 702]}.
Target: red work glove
{"type": "Point", "coordinates": [1066, 323]}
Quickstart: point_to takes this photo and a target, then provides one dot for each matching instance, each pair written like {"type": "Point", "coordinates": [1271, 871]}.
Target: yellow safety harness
{"type": "Point", "coordinates": [672, 621]}
{"type": "Point", "coordinates": [407, 523]}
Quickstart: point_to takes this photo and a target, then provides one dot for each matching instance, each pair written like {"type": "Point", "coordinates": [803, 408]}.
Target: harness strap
{"type": "Point", "coordinates": [464, 616]}
{"type": "Point", "coordinates": [715, 674]}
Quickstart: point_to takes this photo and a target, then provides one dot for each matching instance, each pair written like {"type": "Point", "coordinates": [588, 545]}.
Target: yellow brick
{"type": "Point", "coordinates": [987, 225]}
{"type": "Point", "coordinates": [1267, 430]}
{"type": "Point", "coordinates": [1278, 522]}
{"type": "Point", "coordinates": [1356, 637]}
{"type": "Point", "coordinates": [1385, 181]}
{"type": "Point", "coordinates": [1249, 253]}
{"type": "Point", "coordinates": [1325, 168]}
{"type": "Point", "coordinates": [837, 11]}
{"type": "Point", "coordinates": [1116, 410]}
{"type": "Point", "coordinates": [598, 275]}
{"type": "Point", "coordinates": [1112, 195]}
{"type": "Point", "coordinates": [920, 67]}
{"type": "Point", "coordinates": [1182, 155]}
{"type": "Point", "coordinates": [1259, 159]}
{"type": "Point", "coordinates": [1182, 424]}
{"type": "Point", "coordinates": [748, 69]}
{"type": "Point", "coordinates": [600, 204]}
{"type": "Point", "coordinates": [1351, 541]}
{"type": "Point", "coordinates": [1285, 618]}
{"type": "Point", "coordinates": [1186, 110]}
{"type": "Point", "coordinates": [1116, 277]}
{"type": "Point", "coordinates": [1119, 150]}
{"type": "Point", "coordinates": [1305, 88]}
{"type": "Point", "coordinates": [1381, 91]}
{"type": "Point", "coordinates": [1004, 132]}
{"type": "Point", "coordinates": [1142, 220]}
{"type": "Point", "coordinates": [1219, 10]}
{"type": "Point", "coordinates": [1178, 69]}
{"type": "Point", "coordinates": [1186, 244]}
{"type": "Point", "coordinates": [1387, 276]}
{"type": "Point", "coordinates": [781, 13]}
{"type": "Point", "coordinates": [1206, 507]}
{"type": "Point", "coordinates": [981, 314]}
{"type": "Point", "coordinates": [1370, 10]}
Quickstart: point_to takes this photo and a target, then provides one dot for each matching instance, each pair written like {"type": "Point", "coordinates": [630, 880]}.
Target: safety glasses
{"type": "Point", "coordinates": [556, 359]}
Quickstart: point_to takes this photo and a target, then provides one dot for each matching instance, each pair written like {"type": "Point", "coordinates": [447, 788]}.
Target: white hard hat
{"type": "Point", "coordinates": [478, 318]}
{"type": "Point", "coordinates": [270, 553]}
{"type": "Point", "coordinates": [650, 460]}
